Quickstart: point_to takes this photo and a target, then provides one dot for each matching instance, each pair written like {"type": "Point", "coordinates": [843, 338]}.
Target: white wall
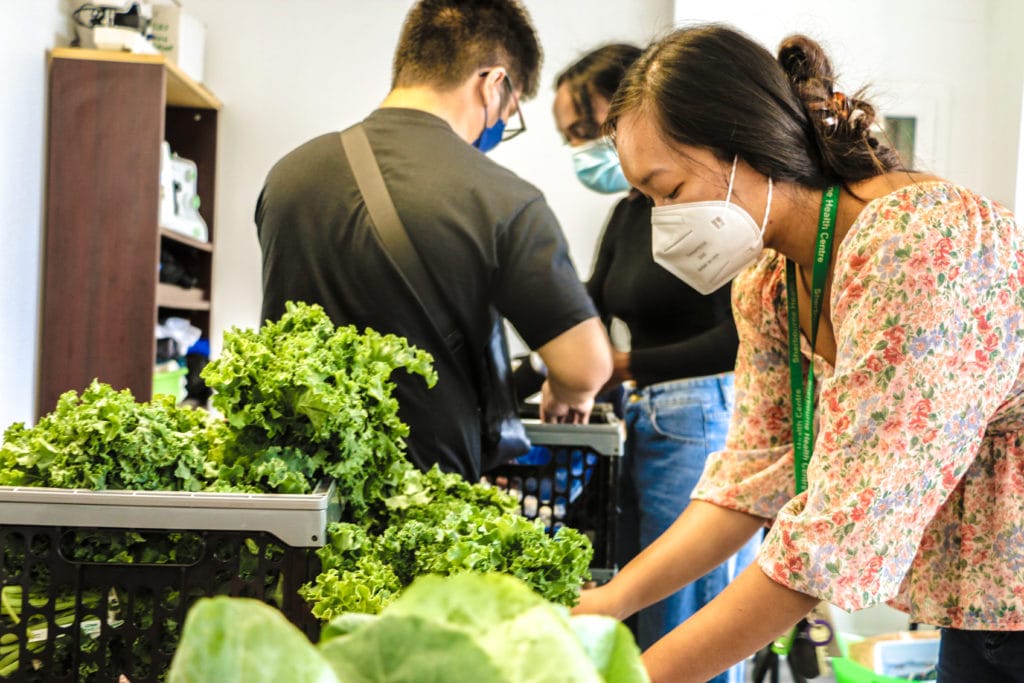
{"type": "Point", "coordinates": [290, 71]}
{"type": "Point", "coordinates": [1004, 132]}
{"type": "Point", "coordinates": [29, 29]}
{"type": "Point", "coordinates": [935, 60]}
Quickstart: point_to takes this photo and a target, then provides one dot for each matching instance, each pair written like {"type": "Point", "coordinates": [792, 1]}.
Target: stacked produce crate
{"type": "Point", "coordinates": [570, 478]}
{"type": "Point", "coordinates": [88, 597]}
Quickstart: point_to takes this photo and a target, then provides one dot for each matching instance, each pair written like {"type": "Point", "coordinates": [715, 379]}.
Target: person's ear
{"type": "Point", "coordinates": [492, 88]}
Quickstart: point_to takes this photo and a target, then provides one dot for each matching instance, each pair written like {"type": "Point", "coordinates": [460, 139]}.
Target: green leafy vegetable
{"type": "Point", "coordinates": [103, 439]}
{"type": "Point", "coordinates": [441, 653]}
{"type": "Point", "coordinates": [468, 627]}
{"type": "Point", "coordinates": [303, 399]}
{"type": "Point", "coordinates": [440, 524]}
{"type": "Point", "coordinates": [243, 640]}
{"type": "Point", "coordinates": [610, 646]}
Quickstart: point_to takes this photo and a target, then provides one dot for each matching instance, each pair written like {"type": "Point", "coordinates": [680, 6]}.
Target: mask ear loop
{"type": "Point", "coordinates": [768, 204]}
{"type": "Point", "coordinates": [767, 207]}
{"type": "Point", "coordinates": [485, 107]}
{"type": "Point", "coordinates": [732, 177]}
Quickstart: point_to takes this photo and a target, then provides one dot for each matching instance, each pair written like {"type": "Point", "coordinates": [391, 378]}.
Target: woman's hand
{"type": "Point", "coordinates": [600, 600]}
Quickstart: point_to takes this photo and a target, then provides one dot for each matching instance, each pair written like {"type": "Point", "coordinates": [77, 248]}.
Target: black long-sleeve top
{"type": "Point", "coordinates": [675, 331]}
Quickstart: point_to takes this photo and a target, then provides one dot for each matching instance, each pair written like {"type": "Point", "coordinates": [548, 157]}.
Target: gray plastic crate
{"type": "Point", "coordinates": [571, 478]}
{"type": "Point", "coordinates": [126, 565]}
{"type": "Point", "coordinates": [299, 520]}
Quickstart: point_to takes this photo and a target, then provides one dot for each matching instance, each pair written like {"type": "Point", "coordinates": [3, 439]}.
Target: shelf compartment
{"type": "Point", "coordinates": [172, 296]}
{"type": "Point", "coordinates": [186, 240]}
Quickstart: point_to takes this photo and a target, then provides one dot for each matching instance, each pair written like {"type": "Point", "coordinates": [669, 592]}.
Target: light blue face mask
{"type": "Point", "coordinates": [597, 167]}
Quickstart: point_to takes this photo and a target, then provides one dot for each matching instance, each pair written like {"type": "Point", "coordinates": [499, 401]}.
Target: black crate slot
{"type": "Point", "coordinates": [570, 478]}
{"type": "Point", "coordinates": [70, 613]}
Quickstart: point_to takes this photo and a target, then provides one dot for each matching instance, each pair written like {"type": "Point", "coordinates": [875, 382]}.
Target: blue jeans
{"type": "Point", "coordinates": [981, 656]}
{"type": "Point", "coordinates": [671, 429]}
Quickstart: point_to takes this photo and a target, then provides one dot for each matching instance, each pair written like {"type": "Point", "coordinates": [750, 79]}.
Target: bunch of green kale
{"type": "Point", "coordinates": [304, 400]}
{"type": "Point", "coordinates": [438, 524]}
{"type": "Point", "coordinates": [301, 401]}
{"type": "Point", "coordinates": [103, 439]}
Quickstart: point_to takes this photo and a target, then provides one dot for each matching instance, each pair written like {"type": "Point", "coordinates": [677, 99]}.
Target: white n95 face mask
{"type": "Point", "coordinates": [707, 244]}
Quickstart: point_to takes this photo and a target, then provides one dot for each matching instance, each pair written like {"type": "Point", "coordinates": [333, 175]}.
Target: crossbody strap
{"type": "Point", "coordinates": [393, 236]}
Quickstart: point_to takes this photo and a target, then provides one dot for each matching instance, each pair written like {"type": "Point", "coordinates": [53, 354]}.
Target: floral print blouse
{"type": "Point", "coordinates": [916, 484]}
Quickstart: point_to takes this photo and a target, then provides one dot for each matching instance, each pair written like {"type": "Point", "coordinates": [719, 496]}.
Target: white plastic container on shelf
{"type": "Point", "coordinates": [180, 36]}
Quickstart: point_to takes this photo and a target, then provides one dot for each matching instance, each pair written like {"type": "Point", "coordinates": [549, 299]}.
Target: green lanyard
{"type": "Point", "coordinates": [802, 398]}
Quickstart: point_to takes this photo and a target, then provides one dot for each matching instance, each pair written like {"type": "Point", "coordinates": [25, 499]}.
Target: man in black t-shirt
{"type": "Point", "coordinates": [486, 237]}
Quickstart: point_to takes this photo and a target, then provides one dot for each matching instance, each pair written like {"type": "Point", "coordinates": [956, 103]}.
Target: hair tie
{"type": "Point", "coordinates": [833, 111]}
{"type": "Point", "coordinates": [840, 105]}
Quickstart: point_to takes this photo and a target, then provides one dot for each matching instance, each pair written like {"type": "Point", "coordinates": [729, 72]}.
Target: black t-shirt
{"type": "Point", "coordinates": [486, 236]}
{"type": "Point", "coordinates": [676, 332]}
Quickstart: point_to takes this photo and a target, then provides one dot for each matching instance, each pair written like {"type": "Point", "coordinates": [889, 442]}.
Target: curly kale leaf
{"type": "Point", "coordinates": [437, 523]}
{"type": "Point", "coordinates": [302, 396]}
{"type": "Point", "coordinates": [104, 439]}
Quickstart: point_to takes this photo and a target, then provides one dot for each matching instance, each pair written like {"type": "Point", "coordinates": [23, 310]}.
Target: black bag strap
{"type": "Point", "coordinates": [393, 236]}
{"type": "Point", "coordinates": [509, 439]}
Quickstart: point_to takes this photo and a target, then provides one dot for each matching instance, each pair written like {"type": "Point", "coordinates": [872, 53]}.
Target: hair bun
{"type": "Point", "coordinates": [804, 60]}
{"type": "Point", "coordinates": [841, 124]}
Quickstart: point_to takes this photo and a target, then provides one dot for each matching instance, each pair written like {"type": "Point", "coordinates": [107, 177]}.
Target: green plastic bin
{"type": "Point", "coordinates": [169, 382]}
{"type": "Point", "coordinates": [848, 671]}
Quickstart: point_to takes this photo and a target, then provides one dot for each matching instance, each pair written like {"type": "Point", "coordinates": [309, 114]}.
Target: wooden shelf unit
{"type": "Point", "coordinates": [108, 113]}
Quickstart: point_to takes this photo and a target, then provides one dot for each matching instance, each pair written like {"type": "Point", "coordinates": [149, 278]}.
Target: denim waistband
{"type": "Point", "coordinates": [723, 382]}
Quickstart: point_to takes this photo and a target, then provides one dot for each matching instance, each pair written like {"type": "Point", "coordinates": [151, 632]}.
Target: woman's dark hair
{"type": "Point", "coordinates": [598, 72]}
{"type": "Point", "coordinates": [713, 87]}
{"type": "Point", "coordinates": [444, 41]}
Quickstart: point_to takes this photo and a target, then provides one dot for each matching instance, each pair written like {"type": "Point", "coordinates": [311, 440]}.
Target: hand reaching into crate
{"type": "Point", "coordinates": [554, 409]}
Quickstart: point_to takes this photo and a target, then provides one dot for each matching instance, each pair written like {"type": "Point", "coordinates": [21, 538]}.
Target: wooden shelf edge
{"type": "Point", "coordinates": [105, 55]}
{"type": "Point", "coordinates": [186, 240]}
{"type": "Point", "coordinates": [182, 89]}
{"type": "Point", "coordinates": [171, 296]}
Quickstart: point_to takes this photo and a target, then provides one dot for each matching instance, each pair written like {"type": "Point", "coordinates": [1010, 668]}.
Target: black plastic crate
{"type": "Point", "coordinates": [571, 478]}
{"type": "Point", "coordinates": [84, 602]}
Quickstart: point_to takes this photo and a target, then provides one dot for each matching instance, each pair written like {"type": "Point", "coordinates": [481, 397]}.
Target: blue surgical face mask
{"type": "Point", "coordinates": [491, 136]}
{"type": "Point", "coordinates": [597, 167]}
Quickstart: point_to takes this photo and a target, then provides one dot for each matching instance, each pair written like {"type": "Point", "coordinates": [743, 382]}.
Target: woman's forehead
{"type": "Point", "coordinates": [645, 152]}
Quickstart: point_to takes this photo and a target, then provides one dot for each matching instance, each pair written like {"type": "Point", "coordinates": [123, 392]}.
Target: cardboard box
{"type": "Point", "coordinates": [180, 37]}
{"type": "Point", "coordinates": [903, 654]}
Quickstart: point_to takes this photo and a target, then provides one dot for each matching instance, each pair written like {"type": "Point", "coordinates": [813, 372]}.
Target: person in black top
{"type": "Point", "coordinates": [485, 236]}
{"type": "Point", "coordinates": [678, 371]}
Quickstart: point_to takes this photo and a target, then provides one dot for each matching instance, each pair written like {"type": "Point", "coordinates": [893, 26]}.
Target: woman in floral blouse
{"type": "Point", "coordinates": [915, 486]}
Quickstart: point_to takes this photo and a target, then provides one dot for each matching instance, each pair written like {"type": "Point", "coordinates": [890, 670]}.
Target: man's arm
{"type": "Point", "coordinates": [579, 362]}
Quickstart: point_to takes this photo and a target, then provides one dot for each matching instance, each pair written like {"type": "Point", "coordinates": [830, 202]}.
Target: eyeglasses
{"type": "Point", "coordinates": [511, 131]}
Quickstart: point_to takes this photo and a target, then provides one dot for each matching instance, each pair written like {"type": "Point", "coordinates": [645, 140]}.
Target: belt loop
{"type": "Point", "coordinates": [722, 391]}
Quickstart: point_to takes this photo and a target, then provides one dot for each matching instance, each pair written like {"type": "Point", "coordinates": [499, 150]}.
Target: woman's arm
{"type": "Point", "coordinates": [706, 353]}
{"type": "Point", "coordinates": [751, 612]}
{"type": "Point", "coordinates": [703, 537]}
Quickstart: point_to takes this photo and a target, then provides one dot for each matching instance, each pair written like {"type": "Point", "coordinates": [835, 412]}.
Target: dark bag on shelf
{"type": "Point", "coordinates": [503, 436]}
